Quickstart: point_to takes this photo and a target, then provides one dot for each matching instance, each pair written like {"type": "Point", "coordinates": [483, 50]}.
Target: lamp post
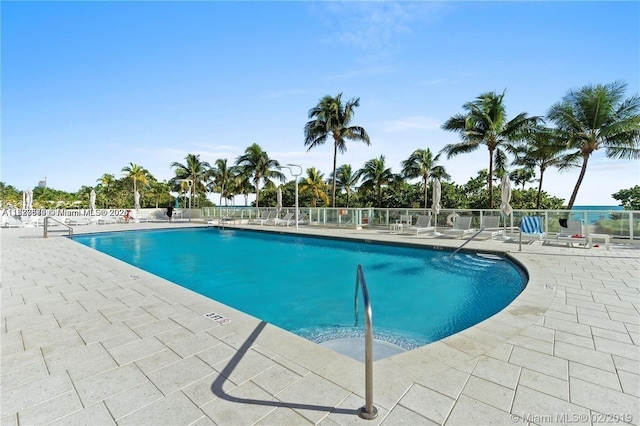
{"type": "Point", "coordinates": [190, 183]}
{"type": "Point", "coordinates": [295, 177]}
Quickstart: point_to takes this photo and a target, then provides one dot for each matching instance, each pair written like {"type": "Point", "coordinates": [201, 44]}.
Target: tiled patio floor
{"type": "Point", "coordinates": [89, 340]}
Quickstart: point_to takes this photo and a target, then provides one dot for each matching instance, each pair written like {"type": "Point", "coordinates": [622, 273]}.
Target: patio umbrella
{"type": "Point", "coordinates": [505, 207]}
{"type": "Point", "coordinates": [435, 206]}
{"type": "Point", "coordinates": [279, 199]}
{"type": "Point", "coordinates": [92, 200]}
{"type": "Point", "coordinates": [29, 200]}
{"type": "Point", "coordinates": [24, 199]}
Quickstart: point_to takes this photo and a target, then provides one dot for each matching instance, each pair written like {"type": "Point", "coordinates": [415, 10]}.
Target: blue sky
{"type": "Point", "coordinates": [88, 87]}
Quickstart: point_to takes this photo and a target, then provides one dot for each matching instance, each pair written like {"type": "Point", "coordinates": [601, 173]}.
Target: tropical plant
{"type": "Point", "coordinates": [375, 175]}
{"type": "Point", "coordinates": [193, 170]}
{"type": "Point", "coordinates": [222, 175]}
{"type": "Point", "coordinates": [485, 123]}
{"type": "Point", "coordinates": [629, 198]}
{"type": "Point", "coordinates": [346, 180]}
{"type": "Point", "coordinates": [422, 164]}
{"type": "Point", "coordinates": [137, 174]}
{"type": "Point", "coordinates": [595, 117]}
{"type": "Point", "coordinates": [256, 164]}
{"type": "Point", "coordinates": [522, 176]}
{"type": "Point", "coordinates": [331, 118]}
{"type": "Point", "coordinates": [543, 149]}
{"type": "Point", "coordinates": [315, 186]}
{"type": "Point", "coordinates": [9, 195]}
{"type": "Point", "coordinates": [105, 183]}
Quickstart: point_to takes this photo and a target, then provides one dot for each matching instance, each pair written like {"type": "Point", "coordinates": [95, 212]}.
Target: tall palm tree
{"type": "Point", "coordinates": [315, 185]}
{"type": "Point", "coordinates": [222, 175]}
{"type": "Point", "coordinates": [375, 175]}
{"type": "Point", "coordinates": [595, 117]}
{"type": "Point", "coordinates": [194, 170]}
{"type": "Point", "coordinates": [485, 123]}
{"type": "Point", "coordinates": [138, 174]}
{"type": "Point", "coordinates": [542, 149]}
{"type": "Point", "coordinates": [256, 164]}
{"type": "Point", "coordinates": [107, 180]}
{"type": "Point", "coordinates": [331, 118]}
{"type": "Point", "coordinates": [346, 180]}
{"type": "Point", "coordinates": [422, 164]}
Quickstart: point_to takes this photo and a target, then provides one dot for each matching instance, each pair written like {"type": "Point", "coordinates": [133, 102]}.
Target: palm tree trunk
{"type": "Point", "coordinates": [490, 178]}
{"type": "Point", "coordinates": [257, 181]}
{"type": "Point", "coordinates": [333, 185]}
{"type": "Point", "coordinates": [583, 170]}
{"type": "Point", "coordinates": [539, 189]}
{"type": "Point", "coordinates": [426, 180]}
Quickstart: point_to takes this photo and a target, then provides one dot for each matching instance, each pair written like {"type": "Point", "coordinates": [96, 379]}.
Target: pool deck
{"type": "Point", "coordinates": [89, 340]}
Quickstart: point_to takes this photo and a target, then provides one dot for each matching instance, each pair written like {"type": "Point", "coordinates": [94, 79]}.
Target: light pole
{"type": "Point", "coordinates": [295, 177]}
{"type": "Point", "coordinates": [190, 183]}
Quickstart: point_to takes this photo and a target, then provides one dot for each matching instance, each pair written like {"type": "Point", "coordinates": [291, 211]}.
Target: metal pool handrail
{"type": "Point", "coordinates": [368, 411]}
{"type": "Point", "coordinates": [466, 242]}
{"type": "Point", "coordinates": [46, 226]}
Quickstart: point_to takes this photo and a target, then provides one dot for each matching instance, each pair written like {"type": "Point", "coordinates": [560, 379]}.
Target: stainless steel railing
{"type": "Point", "coordinates": [367, 412]}
{"type": "Point", "coordinates": [466, 242]}
{"type": "Point", "coordinates": [46, 226]}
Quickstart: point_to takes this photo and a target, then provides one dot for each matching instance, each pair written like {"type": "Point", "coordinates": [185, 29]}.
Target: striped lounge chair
{"type": "Point", "coordinates": [531, 228]}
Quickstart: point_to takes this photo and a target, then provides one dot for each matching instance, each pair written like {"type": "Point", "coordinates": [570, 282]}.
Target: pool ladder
{"type": "Point", "coordinates": [368, 411]}
{"type": "Point", "coordinates": [466, 242]}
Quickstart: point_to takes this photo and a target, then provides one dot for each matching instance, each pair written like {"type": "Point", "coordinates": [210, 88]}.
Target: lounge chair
{"type": "Point", "coordinates": [423, 224]}
{"type": "Point", "coordinates": [269, 219]}
{"type": "Point", "coordinates": [490, 226]}
{"type": "Point", "coordinates": [78, 220]}
{"type": "Point", "coordinates": [12, 222]}
{"type": "Point", "coordinates": [571, 233]}
{"type": "Point", "coordinates": [531, 228]}
{"type": "Point", "coordinates": [461, 227]}
{"type": "Point", "coordinates": [286, 220]}
{"type": "Point", "coordinates": [257, 219]}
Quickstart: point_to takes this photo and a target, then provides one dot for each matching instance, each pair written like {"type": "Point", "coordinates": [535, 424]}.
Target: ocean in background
{"type": "Point", "coordinates": [596, 212]}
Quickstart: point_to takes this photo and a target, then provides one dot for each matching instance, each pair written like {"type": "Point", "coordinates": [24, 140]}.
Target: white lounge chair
{"type": "Point", "coordinates": [263, 216]}
{"type": "Point", "coordinates": [490, 226]}
{"type": "Point", "coordinates": [78, 220]}
{"type": "Point", "coordinates": [285, 220]}
{"type": "Point", "coordinates": [531, 228]}
{"type": "Point", "coordinates": [572, 233]}
{"type": "Point", "coordinates": [461, 227]}
{"type": "Point", "coordinates": [12, 222]}
{"type": "Point", "coordinates": [270, 218]}
{"type": "Point", "coordinates": [423, 224]}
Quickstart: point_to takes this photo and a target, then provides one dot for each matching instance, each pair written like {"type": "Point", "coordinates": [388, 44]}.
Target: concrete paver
{"type": "Point", "coordinates": [87, 339]}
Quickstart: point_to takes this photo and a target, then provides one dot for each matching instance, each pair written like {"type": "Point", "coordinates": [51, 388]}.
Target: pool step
{"type": "Point", "coordinates": [353, 347]}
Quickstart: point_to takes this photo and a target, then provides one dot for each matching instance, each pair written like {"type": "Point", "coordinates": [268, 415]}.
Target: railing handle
{"type": "Point", "coordinates": [466, 242]}
{"type": "Point", "coordinates": [368, 412]}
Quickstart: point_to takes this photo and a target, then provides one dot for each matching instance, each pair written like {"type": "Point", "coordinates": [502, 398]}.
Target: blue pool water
{"type": "Point", "coordinates": [306, 285]}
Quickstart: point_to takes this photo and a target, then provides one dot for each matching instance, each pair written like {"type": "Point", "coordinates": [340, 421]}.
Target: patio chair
{"type": "Point", "coordinates": [269, 219]}
{"type": "Point", "coordinates": [571, 233]}
{"type": "Point", "coordinates": [12, 222]}
{"type": "Point", "coordinates": [423, 224]}
{"type": "Point", "coordinates": [531, 229]}
{"type": "Point", "coordinates": [286, 220]}
{"type": "Point", "coordinates": [263, 216]}
{"type": "Point", "coordinates": [490, 226]}
{"type": "Point", "coordinates": [461, 226]}
{"type": "Point", "coordinates": [405, 222]}
{"type": "Point", "coordinates": [78, 220]}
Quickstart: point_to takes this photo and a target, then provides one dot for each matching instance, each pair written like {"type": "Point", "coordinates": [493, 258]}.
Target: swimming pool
{"type": "Point", "coordinates": [306, 284]}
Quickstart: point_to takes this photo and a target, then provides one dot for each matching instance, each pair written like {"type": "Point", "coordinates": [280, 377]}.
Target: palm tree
{"type": "Point", "coordinates": [331, 117]}
{"type": "Point", "coordinates": [422, 164]}
{"type": "Point", "coordinates": [375, 175]}
{"type": "Point", "coordinates": [194, 170]}
{"type": "Point", "coordinates": [595, 117]}
{"type": "Point", "coordinates": [315, 185]}
{"type": "Point", "coordinates": [485, 123]}
{"type": "Point", "coordinates": [522, 176]}
{"type": "Point", "coordinates": [222, 175]}
{"type": "Point", "coordinates": [137, 174]}
{"type": "Point", "coordinates": [107, 180]}
{"type": "Point", "coordinates": [543, 149]}
{"type": "Point", "coordinates": [255, 163]}
{"type": "Point", "coordinates": [346, 180]}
